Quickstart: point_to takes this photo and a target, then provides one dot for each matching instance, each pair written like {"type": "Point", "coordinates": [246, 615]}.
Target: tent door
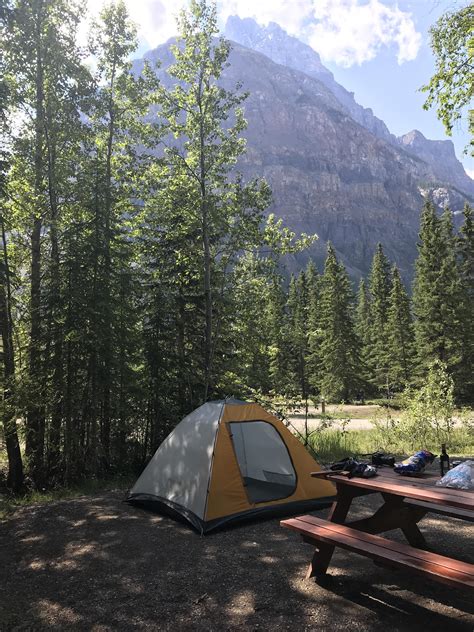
{"type": "Point", "coordinates": [264, 461]}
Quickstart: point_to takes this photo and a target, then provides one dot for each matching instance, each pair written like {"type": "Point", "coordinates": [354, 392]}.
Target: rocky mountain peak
{"type": "Point", "coordinates": [440, 154]}
{"type": "Point", "coordinates": [276, 43]}
{"type": "Point", "coordinates": [285, 49]}
{"type": "Point", "coordinates": [442, 166]}
{"type": "Point", "coordinates": [416, 140]}
{"type": "Point", "coordinates": [413, 137]}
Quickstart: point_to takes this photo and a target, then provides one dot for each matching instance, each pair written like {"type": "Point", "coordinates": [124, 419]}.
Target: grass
{"type": "Point", "coordinates": [333, 445]}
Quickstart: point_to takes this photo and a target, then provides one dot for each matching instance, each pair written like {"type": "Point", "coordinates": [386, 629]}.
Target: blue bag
{"type": "Point", "coordinates": [415, 464]}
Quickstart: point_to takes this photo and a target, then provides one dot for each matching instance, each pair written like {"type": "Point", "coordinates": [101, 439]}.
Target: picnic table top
{"type": "Point", "coordinates": [421, 487]}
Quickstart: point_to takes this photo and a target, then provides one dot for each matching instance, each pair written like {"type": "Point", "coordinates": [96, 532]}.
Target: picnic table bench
{"type": "Point", "coordinates": [406, 502]}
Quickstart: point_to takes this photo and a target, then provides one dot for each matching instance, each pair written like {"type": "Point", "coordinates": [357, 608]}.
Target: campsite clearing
{"type": "Point", "coordinates": [95, 563]}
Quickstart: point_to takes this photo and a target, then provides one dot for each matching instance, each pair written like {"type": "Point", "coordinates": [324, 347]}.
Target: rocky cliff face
{"type": "Point", "coordinates": [329, 174]}
{"type": "Point", "coordinates": [440, 155]}
{"type": "Point", "coordinates": [282, 48]}
{"type": "Point", "coordinates": [289, 51]}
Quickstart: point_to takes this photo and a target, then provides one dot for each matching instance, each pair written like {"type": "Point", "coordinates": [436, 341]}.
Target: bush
{"type": "Point", "coordinates": [427, 417]}
{"type": "Point", "coordinates": [429, 412]}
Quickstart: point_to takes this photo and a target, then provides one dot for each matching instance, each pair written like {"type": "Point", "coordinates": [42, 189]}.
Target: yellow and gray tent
{"type": "Point", "coordinates": [229, 460]}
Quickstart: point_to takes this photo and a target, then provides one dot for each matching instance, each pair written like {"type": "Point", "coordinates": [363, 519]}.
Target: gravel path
{"type": "Point", "coordinates": [354, 424]}
{"type": "Point", "coordinates": [359, 417]}
{"type": "Point", "coordinates": [94, 563]}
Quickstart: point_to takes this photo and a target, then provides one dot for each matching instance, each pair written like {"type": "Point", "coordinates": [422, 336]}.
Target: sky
{"type": "Point", "coordinates": [378, 49]}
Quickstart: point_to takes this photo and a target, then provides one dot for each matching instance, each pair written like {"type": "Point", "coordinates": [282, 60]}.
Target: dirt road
{"type": "Point", "coordinates": [359, 416]}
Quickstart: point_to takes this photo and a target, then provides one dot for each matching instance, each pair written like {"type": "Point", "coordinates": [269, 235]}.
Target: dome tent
{"type": "Point", "coordinates": [229, 460]}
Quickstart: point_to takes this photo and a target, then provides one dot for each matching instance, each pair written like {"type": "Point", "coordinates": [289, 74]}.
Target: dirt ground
{"type": "Point", "coordinates": [360, 416]}
{"type": "Point", "coordinates": [95, 563]}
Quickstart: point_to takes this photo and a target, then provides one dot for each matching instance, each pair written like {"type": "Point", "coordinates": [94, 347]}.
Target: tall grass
{"type": "Point", "coordinates": [332, 445]}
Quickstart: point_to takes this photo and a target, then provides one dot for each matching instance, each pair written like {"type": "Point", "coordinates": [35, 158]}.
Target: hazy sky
{"type": "Point", "coordinates": [378, 49]}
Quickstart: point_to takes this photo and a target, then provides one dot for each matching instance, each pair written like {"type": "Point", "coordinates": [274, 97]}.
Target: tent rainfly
{"type": "Point", "coordinates": [229, 460]}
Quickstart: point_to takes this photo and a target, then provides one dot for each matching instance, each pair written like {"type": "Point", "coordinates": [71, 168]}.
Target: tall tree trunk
{"type": "Point", "coordinates": [69, 453]}
{"type": "Point", "coordinates": [15, 464]}
{"type": "Point", "coordinates": [207, 302]}
{"type": "Point", "coordinates": [90, 408]}
{"type": "Point", "coordinates": [206, 260]}
{"type": "Point", "coordinates": [187, 395]}
{"type": "Point", "coordinates": [54, 438]}
{"type": "Point", "coordinates": [35, 416]}
{"type": "Point", "coordinates": [106, 414]}
{"type": "Point", "coordinates": [121, 413]}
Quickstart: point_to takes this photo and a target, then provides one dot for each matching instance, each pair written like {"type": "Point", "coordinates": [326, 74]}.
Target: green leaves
{"type": "Point", "coordinates": [436, 292]}
{"type": "Point", "coordinates": [339, 353]}
{"type": "Point", "coordinates": [211, 223]}
{"type": "Point", "coordinates": [113, 38]}
{"type": "Point", "coordinates": [429, 411]}
{"type": "Point", "coordinates": [399, 331]}
{"type": "Point", "coordinates": [451, 88]}
{"type": "Point", "coordinates": [379, 290]}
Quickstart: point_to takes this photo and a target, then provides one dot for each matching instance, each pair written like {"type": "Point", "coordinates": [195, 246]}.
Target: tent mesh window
{"type": "Point", "coordinates": [264, 461]}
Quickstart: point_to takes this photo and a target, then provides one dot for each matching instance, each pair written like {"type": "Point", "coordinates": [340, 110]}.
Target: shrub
{"type": "Point", "coordinates": [429, 411]}
{"type": "Point", "coordinates": [427, 417]}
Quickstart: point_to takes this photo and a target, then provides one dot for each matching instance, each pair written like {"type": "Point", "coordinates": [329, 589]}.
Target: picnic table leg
{"type": "Point", "coordinates": [323, 554]}
{"type": "Point", "coordinates": [411, 515]}
{"type": "Point", "coordinates": [394, 514]}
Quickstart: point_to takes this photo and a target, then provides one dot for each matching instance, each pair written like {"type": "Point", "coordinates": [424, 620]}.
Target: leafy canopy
{"type": "Point", "coordinates": [451, 88]}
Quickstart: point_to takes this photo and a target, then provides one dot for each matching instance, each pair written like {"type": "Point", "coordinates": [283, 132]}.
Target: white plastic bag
{"type": "Point", "coordinates": [460, 477]}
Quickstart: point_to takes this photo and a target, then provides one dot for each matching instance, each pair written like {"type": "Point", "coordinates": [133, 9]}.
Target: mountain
{"type": "Point", "coordinates": [441, 156]}
{"type": "Point", "coordinates": [285, 49]}
{"type": "Point", "coordinates": [289, 51]}
{"type": "Point", "coordinates": [329, 173]}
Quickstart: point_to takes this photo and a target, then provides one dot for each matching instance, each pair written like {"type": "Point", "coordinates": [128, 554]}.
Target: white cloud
{"type": "Point", "coordinates": [346, 32]}
{"type": "Point", "coordinates": [291, 15]}
{"type": "Point", "coordinates": [470, 173]}
{"type": "Point", "coordinates": [350, 32]}
{"type": "Point", "coordinates": [155, 19]}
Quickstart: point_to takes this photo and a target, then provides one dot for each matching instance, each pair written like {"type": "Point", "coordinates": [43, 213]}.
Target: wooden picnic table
{"type": "Point", "coordinates": [406, 500]}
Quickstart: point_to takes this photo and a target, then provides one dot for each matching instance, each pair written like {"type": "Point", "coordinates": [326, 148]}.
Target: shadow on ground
{"type": "Point", "coordinates": [97, 564]}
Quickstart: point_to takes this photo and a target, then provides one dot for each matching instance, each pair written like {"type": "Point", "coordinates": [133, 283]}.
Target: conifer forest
{"type": "Point", "coordinates": [141, 275]}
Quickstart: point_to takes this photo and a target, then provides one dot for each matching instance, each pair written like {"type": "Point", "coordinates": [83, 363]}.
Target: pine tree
{"type": "Point", "coordinates": [436, 293]}
{"type": "Point", "coordinates": [313, 282]}
{"type": "Point", "coordinates": [340, 363]}
{"type": "Point", "coordinates": [465, 254]}
{"type": "Point", "coordinates": [120, 101]}
{"type": "Point", "coordinates": [297, 337]}
{"type": "Point", "coordinates": [362, 315]}
{"type": "Point", "coordinates": [15, 463]}
{"type": "Point", "coordinates": [278, 328]}
{"type": "Point", "coordinates": [400, 347]}
{"type": "Point", "coordinates": [362, 328]}
{"type": "Point", "coordinates": [379, 289]}
{"type": "Point", "coordinates": [248, 366]}
{"type": "Point", "coordinates": [73, 183]}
